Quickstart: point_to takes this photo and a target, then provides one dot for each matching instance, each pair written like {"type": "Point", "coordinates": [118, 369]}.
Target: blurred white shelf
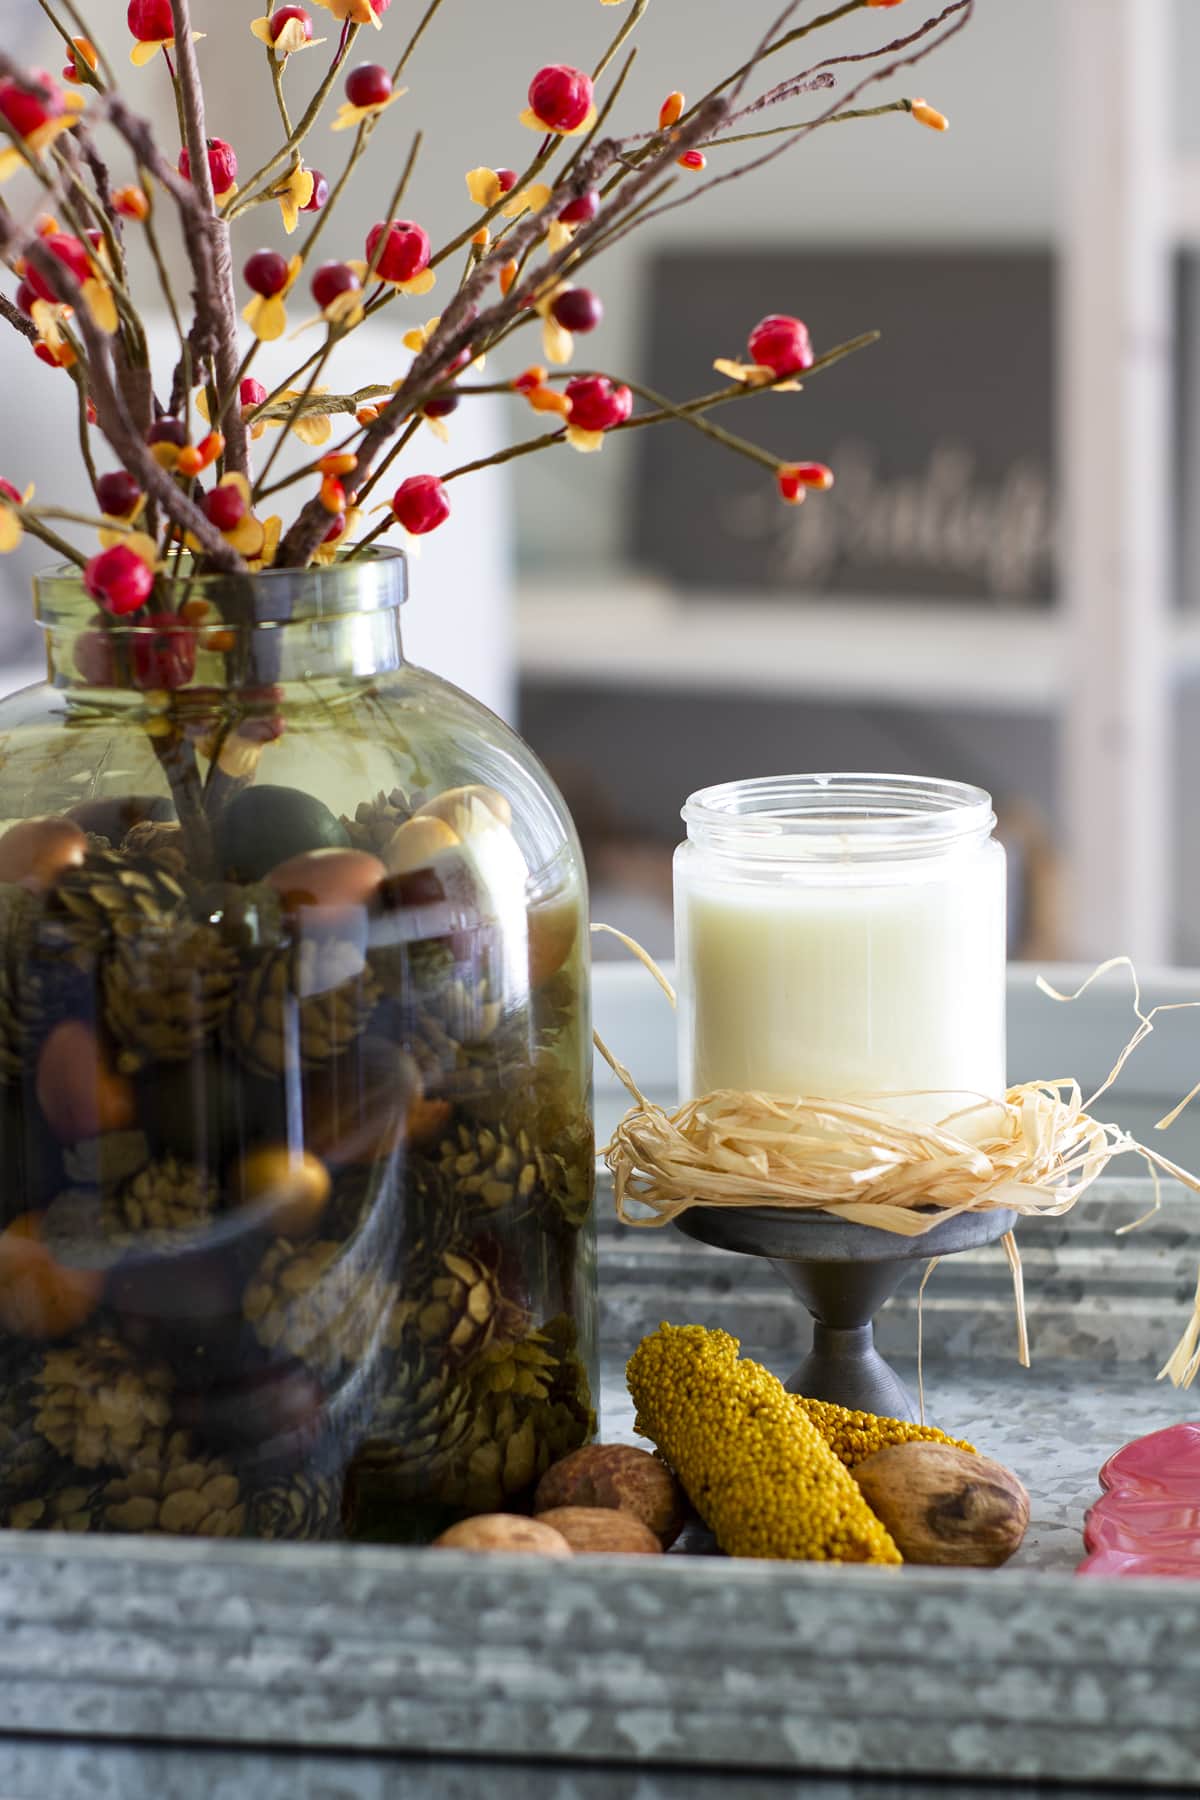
{"type": "Point", "coordinates": [630, 630]}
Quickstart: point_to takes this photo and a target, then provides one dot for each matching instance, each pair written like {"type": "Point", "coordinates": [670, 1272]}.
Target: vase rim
{"type": "Point", "coordinates": [374, 583]}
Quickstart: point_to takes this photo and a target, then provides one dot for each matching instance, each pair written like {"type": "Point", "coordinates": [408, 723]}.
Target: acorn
{"type": "Point", "coordinates": [79, 1091]}
{"type": "Point", "coordinates": [35, 853]}
{"type": "Point", "coordinates": [331, 880]}
{"type": "Point", "coordinates": [416, 844]}
{"type": "Point", "coordinates": [39, 1296]}
{"type": "Point", "coordinates": [290, 1187]}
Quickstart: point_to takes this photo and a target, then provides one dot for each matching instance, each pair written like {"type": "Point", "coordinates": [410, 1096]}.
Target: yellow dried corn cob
{"type": "Point", "coordinates": [757, 1470]}
{"type": "Point", "coordinates": [853, 1436]}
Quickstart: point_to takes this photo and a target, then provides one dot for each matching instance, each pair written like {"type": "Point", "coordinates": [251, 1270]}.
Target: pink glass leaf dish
{"type": "Point", "coordinates": [1148, 1519]}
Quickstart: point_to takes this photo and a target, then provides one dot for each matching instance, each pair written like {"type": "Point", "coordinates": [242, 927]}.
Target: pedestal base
{"type": "Point", "coordinates": [843, 1273]}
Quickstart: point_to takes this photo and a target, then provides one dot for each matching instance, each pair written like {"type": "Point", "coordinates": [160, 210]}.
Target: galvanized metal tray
{"type": "Point", "coordinates": [1026, 1672]}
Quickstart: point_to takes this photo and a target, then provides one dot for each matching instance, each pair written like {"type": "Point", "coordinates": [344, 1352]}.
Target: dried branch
{"type": "Point", "coordinates": [16, 318]}
{"type": "Point", "coordinates": [214, 294]}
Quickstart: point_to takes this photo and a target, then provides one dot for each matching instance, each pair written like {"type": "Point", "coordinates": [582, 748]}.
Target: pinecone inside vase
{"type": "Point", "coordinates": [301, 1006]}
{"type": "Point", "coordinates": [464, 1310]}
{"type": "Point", "coordinates": [97, 1404]}
{"type": "Point", "coordinates": [176, 1490]}
{"type": "Point", "coordinates": [502, 1454]}
{"type": "Point", "coordinates": [26, 1460]}
{"type": "Point", "coordinates": [157, 841]}
{"type": "Point", "coordinates": [71, 1507]}
{"type": "Point", "coordinates": [85, 903]}
{"type": "Point", "coordinates": [318, 1304]}
{"type": "Point", "coordinates": [420, 1423]}
{"type": "Point", "coordinates": [498, 1171]}
{"type": "Point", "coordinates": [376, 821]}
{"type": "Point", "coordinates": [18, 992]}
{"type": "Point", "coordinates": [167, 987]}
{"type": "Point", "coordinates": [164, 1201]}
{"type": "Point", "coordinates": [296, 1507]}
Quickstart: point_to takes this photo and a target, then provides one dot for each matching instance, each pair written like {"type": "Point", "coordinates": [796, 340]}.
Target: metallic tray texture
{"type": "Point", "coordinates": [1023, 1673]}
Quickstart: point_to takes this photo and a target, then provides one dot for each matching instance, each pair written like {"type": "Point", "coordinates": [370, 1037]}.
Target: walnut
{"type": "Point", "coordinates": [503, 1531]}
{"type": "Point", "coordinates": [620, 1477]}
{"type": "Point", "coordinates": [602, 1531]}
{"type": "Point", "coordinates": [942, 1505]}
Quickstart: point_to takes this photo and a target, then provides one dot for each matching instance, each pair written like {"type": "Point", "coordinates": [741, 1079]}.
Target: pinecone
{"type": "Point", "coordinates": [376, 820]}
{"type": "Point", "coordinates": [86, 902]}
{"type": "Point", "coordinates": [70, 1508]}
{"type": "Point", "coordinates": [296, 1507]}
{"type": "Point", "coordinates": [160, 842]}
{"type": "Point", "coordinates": [420, 1423]}
{"type": "Point", "coordinates": [499, 1171]}
{"type": "Point", "coordinates": [464, 1309]}
{"type": "Point", "coordinates": [25, 1459]}
{"type": "Point", "coordinates": [164, 1201]}
{"type": "Point", "coordinates": [18, 993]}
{"type": "Point", "coordinates": [520, 1424]}
{"type": "Point", "coordinates": [304, 1004]}
{"type": "Point", "coordinates": [97, 1404]}
{"type": "Point", "coordinates": [174, 1490]}
{"type": "Point", "coordinates": [315, 1304]}
{"type": "Point", "coordinates": [166, 990]}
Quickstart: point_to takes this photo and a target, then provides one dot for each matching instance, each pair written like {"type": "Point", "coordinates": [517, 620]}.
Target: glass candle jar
{"type": "Point", "coordinates": [842, 935]}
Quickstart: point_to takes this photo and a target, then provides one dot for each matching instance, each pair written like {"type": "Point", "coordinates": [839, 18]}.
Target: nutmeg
{"type": "Point", "coordinates": [944, 1505]}
{"type": "Point", "coordinates": [503, 1531]}
{"type": "Point", "coordinates": [78, 1090]}
{"type": "Point", "coordinates": [601, 1531]}
{"type": "Point", "coordinates": [618, 1477]}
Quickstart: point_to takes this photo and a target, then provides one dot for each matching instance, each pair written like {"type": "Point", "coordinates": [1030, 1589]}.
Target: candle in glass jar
{"type": "Point", "coordinates": [842, 936]}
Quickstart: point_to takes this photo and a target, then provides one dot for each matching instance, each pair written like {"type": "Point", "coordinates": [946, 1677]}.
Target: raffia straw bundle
{"type": "Point", "coordinates": [1034, 1152]}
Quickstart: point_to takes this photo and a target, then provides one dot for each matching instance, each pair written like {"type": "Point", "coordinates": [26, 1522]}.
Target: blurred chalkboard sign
{"type": "Point", "coordinates": [941, 434]}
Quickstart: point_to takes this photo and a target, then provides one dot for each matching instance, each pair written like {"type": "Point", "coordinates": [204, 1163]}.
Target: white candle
{"type": "Point", "coordinates": [841, 936]}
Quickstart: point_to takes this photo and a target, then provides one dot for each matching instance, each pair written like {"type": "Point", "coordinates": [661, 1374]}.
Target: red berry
{"type": "Point", "coordinates": [581, 211]}
{"type": "Point", "coordinates": [281, 18]}
{"type": "Point", "coordinates": [320, 193]}
{"type": "Point", "coordinates": [23, 107]}
{"type": "Point", "coordinates": [507, 179]}
{"type": "Point", "coordinates": [9, 492]}
{"type": "Point", "coordinates": [781, 344]}
{"type": "Point", "coordinates": [225, 507]}
{"type": "Point", "coordinates": [163, 653]}
{"type": "Point", "coordinates": [368, 85]}
{"type": "Point", "coordinates": [167, 431]}
{"type": "Point", "coordinates": [336, 528]}
{"type": "Point", "coordinates": [117, 493]}
{"type": "Point", "coordinates": [405, 253]}
{"type": "Point", "coordinates": [70, 252]}
{"type": "Point", "coordinates": [332, 279]}
{"type": "Point", "coordinates": [252, 392]}
{"type": "Point", "coordinates": [266, 272]}
{"type": "Point", "coordinates": [119, 580]}
{"type": "Point", "coordinates": [561, 97]}
{"type": "Point", "coordinates": [45, 354]}
{"type": "Point", "coordinates": [222, 165]}
{"type": "Point", "coordinates": [421, 504]}
{"type": "Point", "coordinates": [596, 405]}
{"type": "Point", "coordinates": [577, 309]}
{"type": "Point", "coordinates": [379, 7]}
{"type": "Point", "coordinates": [150, 20]}
{"type": "Point", "coordinates": [441, 406]}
